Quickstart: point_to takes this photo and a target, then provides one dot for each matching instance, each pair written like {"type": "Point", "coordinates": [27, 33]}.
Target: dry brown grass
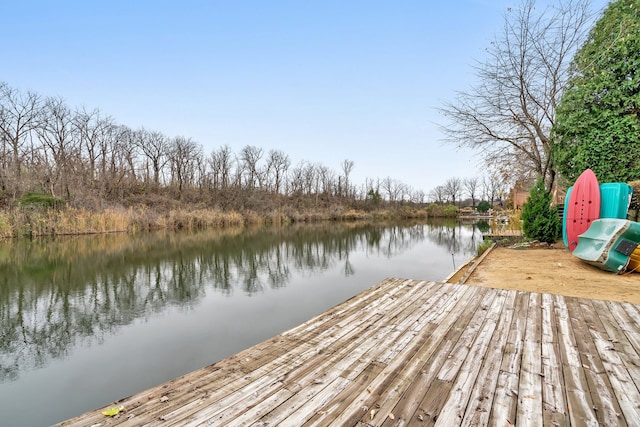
{"type": "Point", "coordinates": [52, 222]}
{"type": "Point", "coordinates": [25, 222]}
{"type": "Point", "coordinates": [37, 222]}
{"type": "Point", "coordinates": [6, 229]}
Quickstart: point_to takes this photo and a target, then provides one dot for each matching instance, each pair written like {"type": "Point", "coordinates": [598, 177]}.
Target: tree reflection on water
{"type": "Point", "coordinates": [58, 294]}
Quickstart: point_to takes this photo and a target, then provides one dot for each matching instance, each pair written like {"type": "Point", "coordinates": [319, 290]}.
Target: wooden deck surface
{"type": "Point", "coordinates": [408, 352]}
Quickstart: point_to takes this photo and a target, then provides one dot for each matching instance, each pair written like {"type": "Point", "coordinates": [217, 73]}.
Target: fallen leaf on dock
{"type": "Point", "coordinates": [112, 412]}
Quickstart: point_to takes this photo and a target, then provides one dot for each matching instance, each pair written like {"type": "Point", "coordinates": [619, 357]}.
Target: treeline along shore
{"type": "Point", "coordinates": [66, 170]}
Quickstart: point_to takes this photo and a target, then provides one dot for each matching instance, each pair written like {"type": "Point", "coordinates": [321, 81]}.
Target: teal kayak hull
{"type": "Point", "coordinates": [608, 243]}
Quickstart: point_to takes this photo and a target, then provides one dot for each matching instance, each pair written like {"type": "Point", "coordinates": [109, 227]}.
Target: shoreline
{"type": "Point", "coordinates": [550, 270]}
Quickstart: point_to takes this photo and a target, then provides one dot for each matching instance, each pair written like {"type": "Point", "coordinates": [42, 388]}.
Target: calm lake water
{"type": "Point", "coordinates": [88, 320]}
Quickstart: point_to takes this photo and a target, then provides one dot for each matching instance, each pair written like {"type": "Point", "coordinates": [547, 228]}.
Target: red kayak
{"type": "Point", "coordinates": [583, 207]}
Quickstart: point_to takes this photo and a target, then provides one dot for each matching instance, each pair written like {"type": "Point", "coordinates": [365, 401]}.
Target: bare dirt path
{"type": "Point", "coordinates": [550, 270]}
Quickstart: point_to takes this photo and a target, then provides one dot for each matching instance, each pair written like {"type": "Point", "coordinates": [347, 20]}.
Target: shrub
{"type": "Point", "coordinates": [482, 248]}
{"type": "Point", "coordinates": [40, 200]}
{"type": "Point", "coordinates": [483, 206]}
{"type": "Point", "coordinates": [436, 210]}
{"type": "Point", "coordinates": [540, 220]}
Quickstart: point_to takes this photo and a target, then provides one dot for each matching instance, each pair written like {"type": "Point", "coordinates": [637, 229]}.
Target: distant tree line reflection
{"type": "Point", "coordinates": [57, 294]}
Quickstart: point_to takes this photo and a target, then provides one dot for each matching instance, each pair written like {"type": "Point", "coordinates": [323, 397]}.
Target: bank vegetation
{"type": "Point", "coordinates": [67, 170]}
{"type": "Point", "coordinates": [36, 221]}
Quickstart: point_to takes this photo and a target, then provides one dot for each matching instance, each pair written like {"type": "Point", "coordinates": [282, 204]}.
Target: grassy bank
{"type": "Point", "coordinates": [38, 221]}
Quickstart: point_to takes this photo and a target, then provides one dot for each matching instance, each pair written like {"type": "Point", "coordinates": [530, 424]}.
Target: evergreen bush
{"type": "Point", "coordinates": [540, 220]}
{"type": "Point", "coordinates": [483, 206]}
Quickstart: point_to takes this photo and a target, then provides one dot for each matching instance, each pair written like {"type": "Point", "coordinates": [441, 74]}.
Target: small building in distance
{"type": "Point", "coordinates": [520, 193]}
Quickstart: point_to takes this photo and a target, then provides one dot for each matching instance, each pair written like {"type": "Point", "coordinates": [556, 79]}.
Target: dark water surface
{"type": "Point", "coordinates": [88, 320]}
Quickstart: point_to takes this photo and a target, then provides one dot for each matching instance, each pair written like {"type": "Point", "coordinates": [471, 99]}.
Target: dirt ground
{"type": "Point", "coordinates": [548, 270]}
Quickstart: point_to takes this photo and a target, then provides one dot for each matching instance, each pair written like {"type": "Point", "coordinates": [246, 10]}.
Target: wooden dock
{"type": "Point", "coordinates": [408, 352]}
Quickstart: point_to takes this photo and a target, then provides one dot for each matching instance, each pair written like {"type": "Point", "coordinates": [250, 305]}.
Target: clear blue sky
{"type": "Point", "coordinates": [321, 80]}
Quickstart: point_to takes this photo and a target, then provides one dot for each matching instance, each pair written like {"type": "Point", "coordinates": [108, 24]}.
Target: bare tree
{"type": "Point", "coordinates": [493, 188]}
{"type": "Point", "coordinates": [453, 189]}
{"type": "Point", "coordinates": [184, 156]}
{"type": "Point", "coordinates": [394, 189]}
{"type": "Point", "coordinates": [277, 165]}
{"type": "Point", "coordinates": [221, 162]}
{"type": "Point", "coordinates": [20, 114]}
{"type": "Point", "coordinates": [128, 152]}
{"type": "Point", "coordinates": [155, 147]}
{"type": "Point", "coordinates": [327, 180]}
{"type": "Point", "coordinates": [309, 178]}
{"type": "Point", "coordinates": [471, 186]}
{"type": "Point", "coordinates": [404, 192]}
{"type": "Point", "coordinates": [509, 114]}
{"type": "Point", "coordinates": [317, 180]}
{"type": "Point", "coordinates": [296, 179]}
{"type": "Point", "coordinates": [112, 171]}
{"type": "Point", "coordinates": [203, 178]}
{"type": "Point", "coordinates": [437, 194]}
{"type": "Point", "coordinates": [60, 141]}
{"type": "Point", "coordinates": [93, 130]}
{"type": "Point", "coordinates": [418, 196]}
{"type": "Point", "coordinates": [347, 167]}
{"type": "Point", "coordinates": [250, 156]}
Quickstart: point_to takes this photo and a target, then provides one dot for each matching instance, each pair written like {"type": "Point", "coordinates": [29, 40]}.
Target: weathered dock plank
{"type": "Point", "coordinates": [553, 398]}
{"type": "Point", "coordinates": [579, 403]}
{"type": "Point", "coordinates": [597, 381]}
{"type": "Point", "coordinates": [506, 397]}
{"type": "Point", "coordinates": [483, 393]}
{"type": "Point", "coordinates": [530, 382]}
{"type": "Point", "coordinates": [465, 381]}
{"type": "Point", "coordinates": [409, 352]}
{"type": "Point", "coordinates": [619, 341]}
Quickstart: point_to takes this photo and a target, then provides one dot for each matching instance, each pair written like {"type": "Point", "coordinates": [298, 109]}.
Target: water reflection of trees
{"type": "Point", "coordinates": [456, 237]}
{"type": "Point", "coordinates": [60, 293]}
